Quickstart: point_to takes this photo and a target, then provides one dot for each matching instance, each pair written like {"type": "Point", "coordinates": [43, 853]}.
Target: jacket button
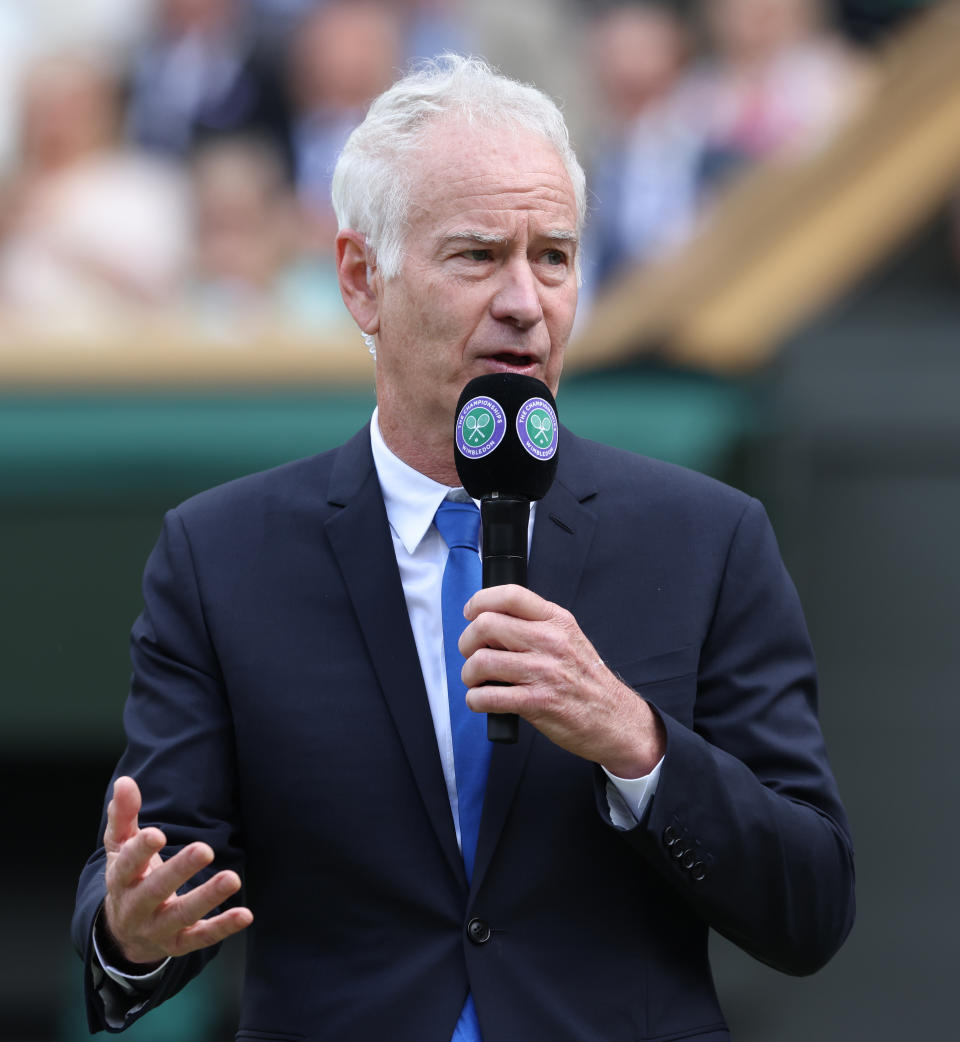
{"type": "Point", "coordinates": [478, 931]}
{"type": "Point", "coordinates": [699, 871]}
{"type": "Point", "coordinates": [678, 851]}
{"type": "Point", "coordinates": [689, 858]}
{"type": "Point", "coordinates": [670, 836]}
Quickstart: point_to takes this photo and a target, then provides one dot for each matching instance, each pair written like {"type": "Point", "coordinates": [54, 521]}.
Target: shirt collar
{"type": "Point", "coordinates": [411, 498]}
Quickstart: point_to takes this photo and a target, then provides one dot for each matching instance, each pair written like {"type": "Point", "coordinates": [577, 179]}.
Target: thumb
{"type": "Point", "coordinates": [122, 812]}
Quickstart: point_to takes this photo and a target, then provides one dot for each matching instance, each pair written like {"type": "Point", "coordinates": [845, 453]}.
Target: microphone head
{"type": "Point", "coordinates": [506, 435]}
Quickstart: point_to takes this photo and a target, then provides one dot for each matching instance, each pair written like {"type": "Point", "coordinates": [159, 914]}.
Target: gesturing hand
{"type": "Point", "coordinates": [560, 683]}
{"type": "Point", "coordinates": [145, 919]}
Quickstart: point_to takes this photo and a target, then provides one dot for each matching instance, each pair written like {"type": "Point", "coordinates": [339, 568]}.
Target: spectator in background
{"type": "Point", "coordinates": [202, 73]}
{"type": "Point", "coordinates": [434, 27]}
{"type": "Point", "coordinates": [31, 28]}
{"type": "Point", "coordinates": [250, 272]}
{"type": "Point", "coordinates": [645, 157]}
{"type": "Point", "coordinates": [780, 82]}
{"type": "Point", "coordinates": [777, 83]}
{"type": "Point", "coordinates": [274, 20]}
{"type": "Point", "coordinates": [344, 54]}
{"type": "Point", "coordinates": [431, 27]}
{"type": "Point", "coordinates": [244, 233]}
{"type": "Point", "coordinates": [89, 228]}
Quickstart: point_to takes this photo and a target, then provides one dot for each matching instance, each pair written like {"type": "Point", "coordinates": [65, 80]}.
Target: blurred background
{"type": "Point", "coordinates": [771, 295]}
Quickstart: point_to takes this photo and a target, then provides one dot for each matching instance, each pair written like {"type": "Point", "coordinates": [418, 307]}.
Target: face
{"type": "Point", "coordinates": [487, 283]}
{"type": "Point", "coordinates": [756, 29]}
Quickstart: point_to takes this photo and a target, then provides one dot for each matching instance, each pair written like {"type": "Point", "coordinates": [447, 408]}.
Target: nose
{"type": "Point", "coordinates": [517, 299]}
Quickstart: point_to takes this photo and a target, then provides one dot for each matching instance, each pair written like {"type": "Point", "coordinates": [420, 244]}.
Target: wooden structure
{"type": "Point", "coordinates": [790, 238]}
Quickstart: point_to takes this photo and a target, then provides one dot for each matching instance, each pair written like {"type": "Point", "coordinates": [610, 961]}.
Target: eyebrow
{"type": "Point", "coordinates": [563, 236]}
{"type": "Point", "coordinates": [488, 239]}
{"type": "Point", "coordinates": [467, 235]}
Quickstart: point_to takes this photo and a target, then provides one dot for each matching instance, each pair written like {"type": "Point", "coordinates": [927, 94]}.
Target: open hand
{"type": "Point", "coordinates": [145, 919]}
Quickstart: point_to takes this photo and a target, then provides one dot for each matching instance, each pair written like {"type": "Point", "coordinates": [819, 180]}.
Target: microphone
{"type": "Point", "coordinates": [506, 455]}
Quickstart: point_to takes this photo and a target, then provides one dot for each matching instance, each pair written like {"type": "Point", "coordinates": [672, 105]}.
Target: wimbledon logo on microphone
{"type": "Point", "coordinates": [537, 428]}
{"type": "Point", "coordinates": [481, 426]}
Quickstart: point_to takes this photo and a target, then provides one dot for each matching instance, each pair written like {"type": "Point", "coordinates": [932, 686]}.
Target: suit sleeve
{"type": "Point", "coordinates": [746, 822]}
{"type": "Point", "coordinates": [180, 751]}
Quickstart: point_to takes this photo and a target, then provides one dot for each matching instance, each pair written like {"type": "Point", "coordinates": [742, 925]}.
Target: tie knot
{"type": "Point", "coordinates": [459, 524]}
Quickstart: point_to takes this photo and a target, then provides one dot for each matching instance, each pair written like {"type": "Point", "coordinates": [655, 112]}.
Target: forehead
{"type": "Point", "coordinates": [489, 174]}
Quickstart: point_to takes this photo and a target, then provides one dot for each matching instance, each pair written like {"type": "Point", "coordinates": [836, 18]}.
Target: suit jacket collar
{"type": "Point", "coordinates": [359, 534]}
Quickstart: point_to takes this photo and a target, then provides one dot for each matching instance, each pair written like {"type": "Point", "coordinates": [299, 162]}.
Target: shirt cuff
{"type": "Point", "coordinates": [130, 984]}
{"type": "Point", "coordinates": [628, 798]}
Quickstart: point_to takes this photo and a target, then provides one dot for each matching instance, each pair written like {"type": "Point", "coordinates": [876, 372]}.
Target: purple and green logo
{"type": "Point", "coordinates": [481, 426]}
{"type": "Point", "coordinates": [537, 428]}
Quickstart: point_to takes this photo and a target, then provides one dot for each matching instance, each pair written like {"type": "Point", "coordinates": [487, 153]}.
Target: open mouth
{"type": "Point", "coordinates": [517, 361]}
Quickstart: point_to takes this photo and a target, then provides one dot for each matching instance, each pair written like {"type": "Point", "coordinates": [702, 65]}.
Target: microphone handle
{"type": "Point", "coordinates": [505, 520]}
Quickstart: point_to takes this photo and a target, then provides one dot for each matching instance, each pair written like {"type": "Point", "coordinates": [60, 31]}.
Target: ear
{"type": "Point", "coordinates": [358, 284]}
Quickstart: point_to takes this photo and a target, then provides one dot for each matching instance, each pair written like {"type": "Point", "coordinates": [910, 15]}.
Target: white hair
{"type": "Point", "coordinates": [375, 173]}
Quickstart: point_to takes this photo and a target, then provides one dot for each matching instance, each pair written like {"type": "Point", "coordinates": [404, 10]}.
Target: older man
{"type": "Point", "coordinates": [289, 723]}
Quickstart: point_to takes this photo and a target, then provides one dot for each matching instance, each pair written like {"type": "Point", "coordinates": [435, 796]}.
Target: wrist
{"type": "Point", "coordinates": [113, 955]}
{"type": "Point", "coordinates": [643, 744]}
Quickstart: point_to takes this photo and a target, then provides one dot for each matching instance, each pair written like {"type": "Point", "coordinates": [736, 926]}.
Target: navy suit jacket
{"type": "Point", "coordinates": [278, 712]}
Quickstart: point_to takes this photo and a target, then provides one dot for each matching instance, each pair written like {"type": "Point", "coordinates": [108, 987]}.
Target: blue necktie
{"type": "Point", "coordinates": [459, 524]}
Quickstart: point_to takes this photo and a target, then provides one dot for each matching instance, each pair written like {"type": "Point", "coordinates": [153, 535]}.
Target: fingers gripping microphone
{"type": "Point", "coordinates": [506, 453]}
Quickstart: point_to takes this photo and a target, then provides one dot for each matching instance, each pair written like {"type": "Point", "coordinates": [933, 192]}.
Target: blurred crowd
{"type": "Point", "coordinates": [173, 157]}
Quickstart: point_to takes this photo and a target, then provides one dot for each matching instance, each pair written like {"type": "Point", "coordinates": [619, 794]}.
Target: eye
{"type": "Point", "coordinates": [478, 255]}
{"type": "Point", "coordinates": [555, 257]}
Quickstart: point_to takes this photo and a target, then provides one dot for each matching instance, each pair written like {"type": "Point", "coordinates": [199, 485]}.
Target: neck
{"type": "Point", "coordinates": [430, 452]}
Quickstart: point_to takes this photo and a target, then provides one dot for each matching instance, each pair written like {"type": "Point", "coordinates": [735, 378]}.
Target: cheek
{"type": "Point", "coordinates": [428, 345]}
{"type": "Point", "coordinates": [446, 323]}
{"type": "Point", "coordinates": [437, 310]}
{"type": "Point", "coordinates": [560, 316]}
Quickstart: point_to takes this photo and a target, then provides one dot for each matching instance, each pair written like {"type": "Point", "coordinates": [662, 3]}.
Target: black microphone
{"type": "Point", "coordinates": [506, 439]}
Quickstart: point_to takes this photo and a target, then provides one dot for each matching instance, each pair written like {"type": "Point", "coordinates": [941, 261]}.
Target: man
{"type": "Point", "coordinates": [288, 723]}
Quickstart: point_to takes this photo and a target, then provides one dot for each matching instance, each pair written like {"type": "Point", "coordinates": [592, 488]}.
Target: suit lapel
{"type": "Point", "coordinates": [562, 534]}
{"type": "Point", "coordinates": [360, 536]}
